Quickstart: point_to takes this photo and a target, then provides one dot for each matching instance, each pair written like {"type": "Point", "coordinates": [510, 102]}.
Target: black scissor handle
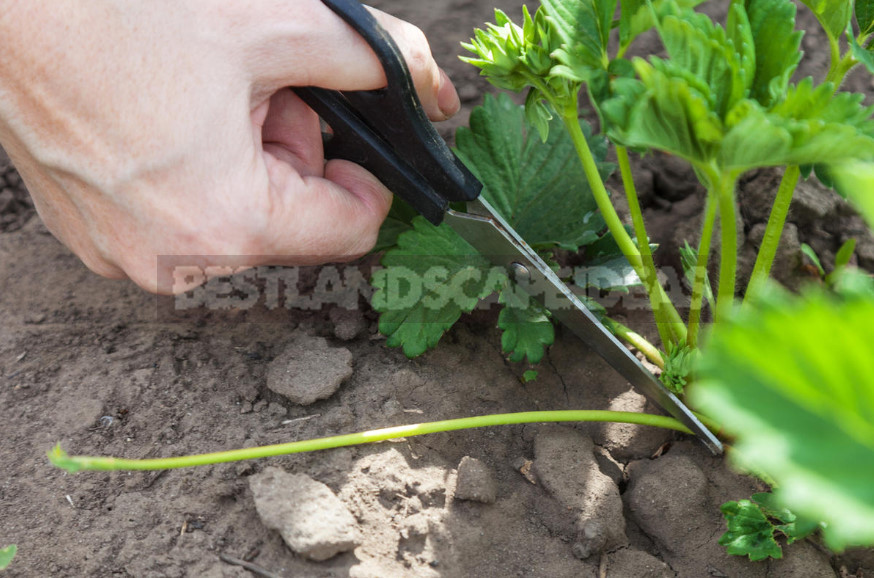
{"type": "Point", "coordinates": [387, 132]}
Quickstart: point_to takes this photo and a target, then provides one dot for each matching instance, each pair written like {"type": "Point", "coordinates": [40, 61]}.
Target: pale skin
{"type": "Point", "coordinates": [166, 128]}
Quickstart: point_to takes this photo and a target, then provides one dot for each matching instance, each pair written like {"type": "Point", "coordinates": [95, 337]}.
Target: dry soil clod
{"type": "Point", "coordinates": [308, 370]}
{"type": "Point", "coordinates": [566, 466]}
{"type": "Point", "coordinates": [312, 520]}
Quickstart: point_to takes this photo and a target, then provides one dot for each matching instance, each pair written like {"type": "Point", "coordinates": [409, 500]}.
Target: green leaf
{"type": "Point", "coordinates": [860, 53]}
{"type": "Point", "coordinates": [430, 278]}
{"type": "Point", "coordinates": [740, 34]}
{"type": "Point", "coordinates": [689, 260]}
{"type": "Point", "coordinates": [855, 181]}
{"type": "Point", "coordinates": [814, 258]}
{"type": "Point", "coordinates": [752, 527]}
{"type": "Point", "coordinates": [772, 23]}
{"type": "Point", "coordinates": [678, 367]}
{"type": "Point", "coordinates": [833, 15]}
{"type": "Point", "coordinates": [432, 275]}
{"type": "Point", "coordinates": [864, 10]}
{"type": "Point", "coordinates": [772, 507]}
{"type": "Point", "coordinates": [792, 526]}
{"type": "Point", "coordinates": [670, 112]}
{"type": "Point", "coordinates": [723, 62]}
{"type": "Point", "coordinates": [791, 379]}
{"type": "Point", "coordinates": [606, 268]}
{"type": "Point", "coordinates": [614, 93]}
{"type": "Point", "coordinates": [538, 114]}
{"type": "Point", "coordinates": [527, 330]}
{"type": "Point", "coordinates": [810, 125]}
{"type": "Point", "coordinates": [529, 376]}
{"type": "Point", "coordinates": [636, 17]}
{"type": "Point", "coordinates": [754, 139]}
{"type": "Point", "coordinates": [749, 532]}
{"type": "Point", "coordinates": [399, 220]}
{"type": "Point", "coordinates": [6, 556]}
{"type": "Point", "coordinates": [854, 283]}
{"type": "Point", "coordinates": [584, 29]}
{"type": "Point", "coordinates": [539, 187]}
{"type": "Point", "coordinates": [723, 97]}
{"type": "Point", "coordinates": [842, 260]}
{"type": "Point", "coordinates": [808, 102]}
{"type": "Point", "coordinates": [514, 57]}
{"type": "Point", "coordinates": [845, 253]}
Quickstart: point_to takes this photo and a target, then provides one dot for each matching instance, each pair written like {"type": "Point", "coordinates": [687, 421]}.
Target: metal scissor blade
{"type": "Point", "coordinates": [487, 232]}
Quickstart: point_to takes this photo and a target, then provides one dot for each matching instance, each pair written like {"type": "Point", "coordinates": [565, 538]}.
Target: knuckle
{"type": "Point", "coordinates": [417, 50]}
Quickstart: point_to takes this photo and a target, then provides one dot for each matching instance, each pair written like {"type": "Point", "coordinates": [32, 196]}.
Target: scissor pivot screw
{"type": "Point", "coordinates": [519, 272]}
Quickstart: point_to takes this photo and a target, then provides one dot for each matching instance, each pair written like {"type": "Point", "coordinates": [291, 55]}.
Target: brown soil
{"type": "Point", "coordinates": [100, 367]}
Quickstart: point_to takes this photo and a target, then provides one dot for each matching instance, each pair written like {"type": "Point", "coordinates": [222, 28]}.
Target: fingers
{"type": "Point", "coordinates": [316, 220]}
{"type": "Point", "coordinates": [309, 221]}
{"type": "Point", "coordinates": [437, 93]}
{"type": "Point", "coordinates": [305, 43]}
{"type": "Point", "coordinates": [291, 133]}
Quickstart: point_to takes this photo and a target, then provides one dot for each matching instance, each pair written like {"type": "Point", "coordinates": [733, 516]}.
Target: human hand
{"type": "Point", "coordinates": [165, 128]}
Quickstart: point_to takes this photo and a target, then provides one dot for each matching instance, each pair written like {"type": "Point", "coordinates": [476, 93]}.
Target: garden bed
{"type": "Point", "coordinates": [99, 366]}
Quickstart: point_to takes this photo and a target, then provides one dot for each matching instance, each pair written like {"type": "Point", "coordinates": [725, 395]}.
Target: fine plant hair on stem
{"type": "Point", "coordinates": [725, 195]}
{"type": "Point", "coordinates": [671, 327]}
{"type": "Point", "coordinates": [661, 305]}
{"type": "Point", "coordinates": [773, 231]}
{"type": "Point", "coordinates": [837, 72]}
{"type": "Point", "coordinates": [698, 288]}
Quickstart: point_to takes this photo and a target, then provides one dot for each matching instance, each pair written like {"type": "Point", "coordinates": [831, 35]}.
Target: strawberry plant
{"type": "Point", "coordinates": [725, 100]}
{"type": "Point", "coordinates": [753, 526]}
{"type": "Point", "coordinates": [801, 406]}
{"type": "Point", "coordinates": [432, 275]}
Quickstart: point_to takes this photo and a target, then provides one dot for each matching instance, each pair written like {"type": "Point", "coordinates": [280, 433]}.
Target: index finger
{"type": "Point", "coordinates": [305, 44]}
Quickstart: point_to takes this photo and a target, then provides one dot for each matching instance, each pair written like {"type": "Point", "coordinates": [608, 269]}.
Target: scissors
{"type": "Point", "coordinates": [387, 132]}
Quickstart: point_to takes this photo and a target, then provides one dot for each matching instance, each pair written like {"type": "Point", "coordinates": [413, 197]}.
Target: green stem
{"type": "Point", "coordinates": [834, 61]}
{"type": "Point", "coordinates": [709, 423]}
{"type": "Point", "coordinates": [623, 48]}
{"type": "Point", "coordinates": [839, 66]}
{"type": "Point", "coordinates": [725, 195]}
{"type": "Point", "coordinates": [634, 207]}
{"type": "Point", "coordinates": [698, 287]}
{"type": "Point", "coordinates": [675, 327]}
{"type": "Point", "coordinates": [637, 340]}
{"type": "Point", "coordinates": [773, 231]}
{"type": "Point", "coordinates": [661, 307]}
{"type": "Point", "coordinates": [75, 463]}
{"type": "Point", "coordinates": [838, 70]}
{"type": "Point", "coordinates": [602, 198]}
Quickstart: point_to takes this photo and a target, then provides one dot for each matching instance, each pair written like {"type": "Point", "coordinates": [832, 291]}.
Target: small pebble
{"type": "Point", "coordinates": [475, 483]}
{"type": "Point", "coordinates": [276, 409]}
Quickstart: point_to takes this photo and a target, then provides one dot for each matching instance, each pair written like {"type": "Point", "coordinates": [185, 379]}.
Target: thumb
{"type": "Point", "coordinates": [305, 43]}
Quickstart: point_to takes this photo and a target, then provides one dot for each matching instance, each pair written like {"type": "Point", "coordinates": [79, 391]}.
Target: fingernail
{"type": "Point", "coordinates": [447, 97]}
